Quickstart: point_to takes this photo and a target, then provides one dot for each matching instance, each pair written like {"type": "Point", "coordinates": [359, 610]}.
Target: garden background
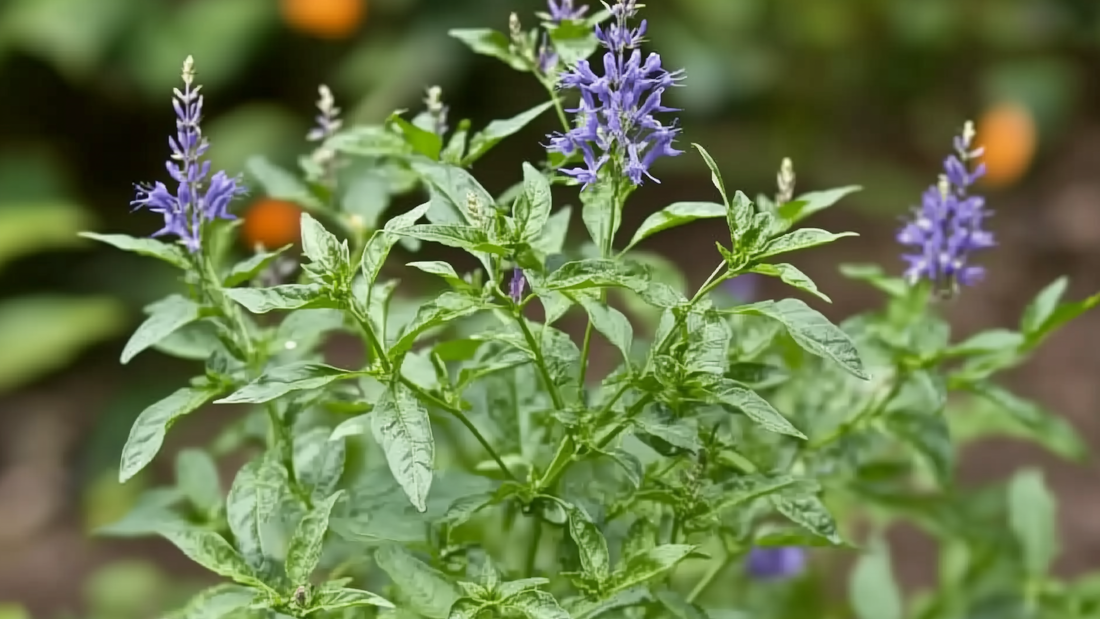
{"type": "Point", "coordinates": [862, 92]}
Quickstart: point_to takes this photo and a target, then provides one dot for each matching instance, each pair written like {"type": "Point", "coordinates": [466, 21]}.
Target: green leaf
{"type": "Point", "coordinates": [807, 511]}
{"type": "Point", "coordinates": [596, 273]}
{"type": "Point", "coordinates": [872, 589]}
{"type": "Point", "coordinates": [748, 488]}
{"type": "Point", "coordinates": [303, 552]}
{"type": "Point", "coordinates": [1033, 519]}
{"type": "Point", "coordinates": [611, 323]}
{"type": "Point", "coordinates": [425, 590]}
{"type": "Point", "coordinates": [673, 215]}
{"type": "Point", "coordinates": [497, 130]}
{"type": "Point", "coordinates": [554, 232]}
{"type": "Point", "coordinates": [442, 269]}
{"type": "Point", "coordinates": [533, 209]}
{"type": "Point", "coordinates": [252, 502]}
{"type": "Point", "coordinates": [211, 551]}
{"type": "Point", "coordinates": [172, 254]}
{"type": "Point", "coordinates": [276, 383]}
{"type": "Point", "coordinates": [153, 511]}
{"type": "Point", "coordinates": [453, 189]}
{"type": "Point", "coordinates": [280, 184]}
{"type": "Point", "coordinates": [197, 477]}
{"type": "Point", "coordinates": [598, 211]}
{"type": "Point", "coordinates": [147, 433]}
{"type": "Point", "coordinates": [1033, 418]}
{"type": "Point", "coordinates": [809, 203]}
{"type": "Point", "coordinates": [678, 433]}
{"type": "Point", "coordinates": [319, 461]}
{"type": "Point", "coordinates": [382, 241]}
{"type": "Point", "coordinates": [715, 175]}
{"type": "Point", "coordinates": [647, 565]}
{"type": "Point", "coordinates": [285, 297]}
{"type": "Point", "coordinates": [916, 416]}
{"type": "Point", "coordinates": [165, 317]}
{"type": "Point", "coordinates": [990, 341]}
{"type": "Point", "coordinates": [248, 269]}
{"type": "Point", "coordinates": [463, 237]}
{"type": "Point", "coordinates": [215, 602]}
{"type": "Point", "coordinates": [591, 545]}
{"type": "Point", "coordinates": [427, 143]}
{"type": "Point", "coordinates": [739, 220]}
{"type": "Point", "coordinates": [802, 238]}
{"type": "Point", "coordinates": [810, 330]}
{"type": "Point", "coordinates": [875, 276]}
{"type": "Point", "coordinates": [489, 42]}
{"type": "Point", "coordinates": [323, 248]}
{"type": "Point", "coordinates": [401, 426]}
{"type": "Point", "coordinates": [446, 308]}
{"type": "Point", "coordinates": [534, 604]}
{"type": "Point", "coordinates": [1042, 307]}
{"type": "Point", "coordinates": [1037, 332]}
{"type": "Point", "coordinates": [790, 275]}
{"type": "Point", "coordinates": [572, 40]}
{"type": "Point", "coordinates": [336, 599]}
{"type": "Point", "coordinates": [754, 407]}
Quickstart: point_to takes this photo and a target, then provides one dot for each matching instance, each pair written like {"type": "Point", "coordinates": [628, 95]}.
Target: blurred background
{"type": "Point", "coordinates": [863, 92]}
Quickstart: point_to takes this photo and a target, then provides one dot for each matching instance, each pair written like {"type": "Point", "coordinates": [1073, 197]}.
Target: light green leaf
{"type": "Point", "coordinates": [319, 461]}
{"type": "Point", "coordinates": [748, 488]}
{"type": "Point", "coordinates": [1033, 519]}
{"type": "Point", "coordinates": [336, 599]}
{"type": "Point", "coordinates": [649, 564]}
{"type": "Point", "coordinates": [197, 477]}
{"type": "Point", "coordinates": [802, 238]}
{"type": "Point", "coordinates": [513, 587]}
{"type": "Point", "coordinates": [872, 589]}
{"type": "Point", "coordinates": [303, 552]}
{"type": "Point", "coordinates": [28, 228]}
{"type": "Point", "coordinates": [591, 545]}
{"type": "Point", "coordinates": [452, 191]}
{"type": "Point", "coordinates": [535, 604]}
{"type": "Point", "coordinates": [673, 215]}
{"type": "Point", "coordinates": [596, 273]}
{"type": "Point", "coordinates": [489, 42]}
{"type": "Point", "coordinates": [153, 511]}
{"type": "Point", "coordinates": [990, 341]}
{"type": "Point", "coordinates": [401, 426]}
{"type": "Point", "coordinates": [676, 432]}
{"type": "Point", "coordinates": [249, 268]}
{"type": "Point", "coordinates": [424, 142]}
{"type": "Point", "coordinates": [554, 232]}
{"type": "Point", "coordinates": [740, 220]}
{"type": "Point", "coordinates": [807, 511]}
{"type": "Point", "coordinates": [280, 184]}
{"type": "Point", "coordinates": [1040, 320]}
{"type": "Point", "coordinates": [442, 269]}
{"type": "Point", "coordinates": [216, 602]}
{"type": "Point", "coordinates": [1042, 307]}
{"type": "Point", "coordinates": [323, 249]}
{"type": "Point", "coordinates": [598, 212]}
{"type": "Point", "coordinates": [611, 323]}
{"type": "Point", "coordinates": [275, 383]}
{"type": "Point", "coordinates": [426, 591]}
{"type": "Point", "coordinates": [172, 254]}
{"type": "Point", "coordinates": [211, 551]}
{"type": "Point", "coordinates": [1045, 426]}
{"type": "Point", "coordinates": [447, 307]}
{"type": "Point", "coordinates": [754, 407]}
{"type": "Point", "coordinates": [382, 241]}
{"type": "Point", "coordinates": [810, 330]}
{"type": "Point", "coordinates": [532, 210]}
{"type": "Point", "coordinates": [147, 433]}
{"type": "Point", "coordinates": [791, 276]}
{"type": "Point", "coordinates": [165, 317]}
{"type": "Point", "coordinates": [497, 130]}
{"type": "Point", "coordinates": [285, 297]}
{"type": "Point", "coordinates": [809, 203]}
{"type": "Point", "coordinates": [252, 502]}
{"type": "Point", "coordinates": [715, 175]}
{"type": "Point", "coordinates": [355, 426]}
{"type": "Point", "coordinates": [463, 237]}
{"type": "Point", "coordinates": [875, 276]}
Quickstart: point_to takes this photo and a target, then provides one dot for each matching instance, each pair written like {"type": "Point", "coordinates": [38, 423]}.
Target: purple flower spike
{"type": "Point", "coordinates": [616, 119]}
{"type": "Point", "coordinates": [779, 563]}
{"type": "Point", "coordinates": [947, 228]}
{"type": "Point", "coordinates": [562, 10]}
{"type": "Point", "coordinates": [516, 286]}
{"type": "Point", "coordinates": [198, 197]}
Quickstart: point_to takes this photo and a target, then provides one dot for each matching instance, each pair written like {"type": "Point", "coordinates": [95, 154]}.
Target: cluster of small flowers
{"type": "Point", "coordinates": [947, 228]}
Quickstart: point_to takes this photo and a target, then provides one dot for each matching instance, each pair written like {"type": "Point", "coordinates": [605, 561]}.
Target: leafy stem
{"type": "Point", "coordinates": [540, 362]}
{"type": "Point", "coordinates": [605, 251]}
{"type": "Point", "coordinates": [372, 339]}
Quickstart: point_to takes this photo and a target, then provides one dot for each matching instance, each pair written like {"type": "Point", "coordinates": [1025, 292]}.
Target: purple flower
{"type": "Point", "coordinates": [547, 59]}
{"type": "Point", "coordinates": [777, 563]}
{"type": "Point", "coordinates": [328, 120]}
{"type": "Point", "coordinates": [947, 228]}
{"type": "Point", "coordinates": [562, 10]}
{"type": "Point", "coordinates": [197, 198]}
{"type": "Point", "coordinates": [743, 287]}
{"type": "Point", "coordinates": [515, 287]}
{"type": "Point", "coordinates": [616, 117]}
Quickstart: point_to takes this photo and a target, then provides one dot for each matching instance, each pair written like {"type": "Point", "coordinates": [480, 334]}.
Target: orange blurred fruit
{"type": "Point", "coordinates": [326, 19]}
{"type": "Point", "coordinates": [272, 224]}
{"type": "Point", "coordinates": [1007, 131]}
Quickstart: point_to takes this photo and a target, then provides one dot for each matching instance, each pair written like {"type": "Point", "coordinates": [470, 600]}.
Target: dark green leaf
{"type": "Point", "coordinates": [533, 209]}
{"type": "Point", "coordinates": [197, 477]}
{"type": "Point", "coordinates": [809, 203]}
{"type": "Point", "coordinates": [497, 130]}
{"type": "Point", "coordinates": [642, 567]}
{"type": "Point", "coordinates": [739, 220]}
{"type": "Point", "coordinates": [609, 322]}
{"type": "Point", "coordinates": [802, 238]}
{"type": "Point", "coordinates": [488, 42]}
{"type": "Point", "coordinates": [336, 599]}
{"type": "Point", "coordinates": [172, 254]}
{"type": "Point", "coordinates": [281, 184]}
{"type": "Point", "coordinates": [596, 273]}
{"type": "Point", "coordinates": [754, 407]}
{"type": "Point", "coordinates": [807, 511]}
{"type": "Point", "coordinates": [591, 545]}
{"type": "Point", "coordinates": [319, 461]}
{"type": "Point", "coordinates": [811, 331]}
{"type": "Point", "coordinates": [426, 591]}
{"type": "Point", "coordinates": [535, 604]}
{"type": "Point", "coordinates": [872, 589]}
{"type": "Point", "coordinates": [748, 488]}
{"type": "Point", "coordinates": [286, 297]}
{"type": "Point", "coordinates": [165, 317]}
{"type": "Point", "coordinates": [1033, 519]}
{"type": "Point", "coordinates": [252, 502]}
{"type": "Point", "coordinates": [676, 432]}
{"type": "Point", "coordinates": [303, 552]}
{"type": "Point", "coordinates": [276, 383]}
{"type": "Point", "coordinates": [249, 268]}
{"type": "Point", "coordinates": [463, 237]}
{"type": "Point", "coordinates": [323, 248]}
{"type": "Point", "coordinates": [211, 551]}
{"type": "Point", "coordinates": [401, 426]}
{"type": "Point", "coordinates": [147, 433]}
{"type": "Point", "coordinates": [790, 275]}
{"type": "Point", "coordinates": [673, 215]}
{"type": "Point", "coordinates": [427, 143]}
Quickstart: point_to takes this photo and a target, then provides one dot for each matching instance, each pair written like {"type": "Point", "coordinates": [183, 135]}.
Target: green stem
{"type": "Point", "coordinates": [556, 100]}
{"type": "Point", "coordinates": [372, 340]}
{"type": "Point", "coordinates": [540, 362]}
{"type": "Point", "coordinates": [566, 450]}
{"type": "Point", "coordinates": [533, 549]}
{"type": "Point", "coordinates": [429, 398]}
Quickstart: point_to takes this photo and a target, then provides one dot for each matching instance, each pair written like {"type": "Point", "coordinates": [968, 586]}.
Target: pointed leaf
{"type": "Point", "coordinates": [252, 502]}
{"type": "Point", "coordinates": [276, 383]}
{"type": "Point", "coordinates": [336, 599]}
{"type": "Point", "coordinates": [872, 589]}
{"type": "Point", "coordinates": [715, 175]}
{"type": "Point", "coordinates": [323, 248]}
{"type": "Point", "coordinates": [790, 275]}
{"type": "Point", "coordinates": [382, 241]}
{"type": "Point", "coordinates": [147, 433]}
{"type": "Point", "coordinates": [248, 269]}
{"type": "Point", "coordinates": [591, 545]}
{"type": "Point", "coordinates": [653, 562]}
{"type": "Point", "coordinates": [534, 604]}
{"type": "Point", "coordinates": [165, 317]}
{"type": "Point", "coordinates": [426, 591]}
{"type": "Point", "coordinates": [1033, 519]}
{"type": "Point", "coordinates": [211, 551]}
{"type": "Point", "coordinates": [533, 208]}
{"type": "Point", "coordinates": [596, 273]}
{"type": "Point", "coordinates": [611, 323]}
{"type": "Point", "coordinates": [286, 297]}
{"type": "Point", "coordinates": [673, 215]}
{"type": "Point", "coordinates": [810, 513]}
{"type": "Point", "coordinates": [809, 203]}
{"type": "Point", "coordinates": [319, 461]}
{"type": "Point", "coordinates": [810, 330]}
{"type": "Point", "coordinates": [489, 42]}
{"type": "Point", "coordinates": [497, 130]}
{"type": "Point", "coordinates": [803, 238]}
{"type": "Point", "coordinates": [303, 552]}
{"type": "Point", "coordinates": [197, 477]}
{"type": "Point", "coordinates": [172, 254]}
{"type": "Point", "coordinates": [401, 426]}
{"type": "Point", "coordinates": [754, 407]}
